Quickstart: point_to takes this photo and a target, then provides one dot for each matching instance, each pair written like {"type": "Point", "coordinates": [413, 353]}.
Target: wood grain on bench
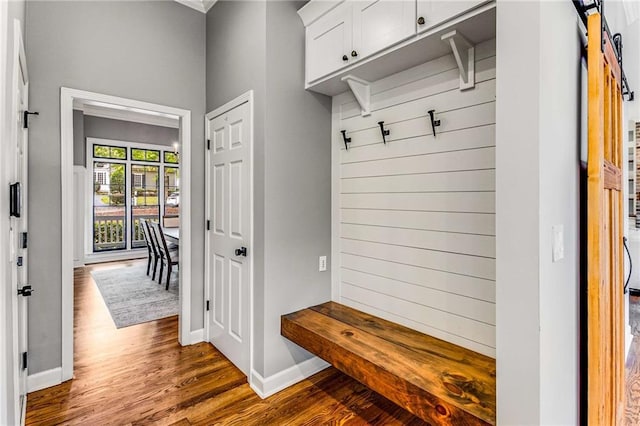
{"type": "Point", "coordinates": [440, 382]}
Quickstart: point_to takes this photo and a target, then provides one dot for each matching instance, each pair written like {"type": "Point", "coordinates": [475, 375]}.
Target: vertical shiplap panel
{"type": "Point", "coordinates": [415, 217]}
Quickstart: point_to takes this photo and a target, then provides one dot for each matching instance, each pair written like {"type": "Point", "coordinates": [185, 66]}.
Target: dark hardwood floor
{"type": "Point", "coordinates": [141, 375]}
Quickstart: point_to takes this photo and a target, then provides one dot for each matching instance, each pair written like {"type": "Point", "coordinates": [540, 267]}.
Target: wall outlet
{"type": "Point", "coordinates": [322, 263]}
{"type": "Point", "coordinates": [558, 242]}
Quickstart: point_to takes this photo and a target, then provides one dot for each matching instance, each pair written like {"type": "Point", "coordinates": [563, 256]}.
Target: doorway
{"type": "Point", "coordinates": [229, 241]}
{"type": "Point", "coordinates": [67, 99]}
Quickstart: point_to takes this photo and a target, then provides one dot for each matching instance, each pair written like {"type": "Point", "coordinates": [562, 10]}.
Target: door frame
{"type": "Point", "coordinates": [246, 97]}
{"type": "Point", "coordinates": [67, 97]}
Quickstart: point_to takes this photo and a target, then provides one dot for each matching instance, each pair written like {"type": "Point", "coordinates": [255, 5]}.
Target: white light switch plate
{"type": "Point", "coordinates": [558, 242]}
{"type": "Point", "coordinates": [322, 263]}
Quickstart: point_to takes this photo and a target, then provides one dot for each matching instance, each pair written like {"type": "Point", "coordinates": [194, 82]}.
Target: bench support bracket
{"type": "Point", "coordinates": [362, 91]}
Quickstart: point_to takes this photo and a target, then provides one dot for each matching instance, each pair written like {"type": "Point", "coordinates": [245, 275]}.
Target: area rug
{"type": "Point", "coordinates": [134, 298]}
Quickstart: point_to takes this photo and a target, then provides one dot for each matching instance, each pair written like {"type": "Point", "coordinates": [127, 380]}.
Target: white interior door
{"type": "Point", "coordinates": [18, 242]}
{"type": "Point", "coordinates": [229, 199]}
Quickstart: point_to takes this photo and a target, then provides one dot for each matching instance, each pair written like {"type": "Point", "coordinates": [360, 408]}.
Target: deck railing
{"type": "Point", "coordinates": [109, 232]}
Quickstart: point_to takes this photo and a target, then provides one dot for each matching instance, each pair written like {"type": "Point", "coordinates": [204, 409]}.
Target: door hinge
{"type": "Point", "coordinates": [24, 240]}
{"type": "Point", "coordinates": [207, 305]}
{"type": "Point", "coordinates": [19, 262]}
{"type": "Point", "coordinates": [208, 144]}
{"type": "Point", "coordinates": [208, 224]}
{"type": "Point", "coordinates": [24, 360]}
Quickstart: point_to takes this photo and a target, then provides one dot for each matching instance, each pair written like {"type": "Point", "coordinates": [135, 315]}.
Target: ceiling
{"type": "Point", "coordinates": [199, 5]}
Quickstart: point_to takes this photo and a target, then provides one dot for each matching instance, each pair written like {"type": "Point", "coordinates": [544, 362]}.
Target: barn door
{"type": "Point", "coordinates": [604, 232]}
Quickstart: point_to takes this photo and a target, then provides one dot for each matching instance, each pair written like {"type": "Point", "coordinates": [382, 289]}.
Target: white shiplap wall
{"type": "Point", "coordinates": [414, 220]}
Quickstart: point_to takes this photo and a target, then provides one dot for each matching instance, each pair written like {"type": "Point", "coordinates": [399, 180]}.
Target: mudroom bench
{"type": "Point", "coordinates": [442, 383]}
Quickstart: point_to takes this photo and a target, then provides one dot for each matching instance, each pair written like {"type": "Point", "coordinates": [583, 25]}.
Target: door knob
{"type": "Point", "coordinates": [25, 291]}
{"type": "Point", "coordinates": [421, 20]}
{"type": "Point", "coordinates": [354, 53]}
{"type": "Point", "coordinates": [242, 251]}
{"type": "Point", "coordinates": [345, 58]}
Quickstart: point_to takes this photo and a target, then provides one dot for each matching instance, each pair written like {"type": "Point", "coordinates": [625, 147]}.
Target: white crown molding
{"type": "Point", "coordinates": [193, 4]}
{"type": "Point", "coordinates": [208, 4]}
{"type": "Point", "coordinates": [200, 5]}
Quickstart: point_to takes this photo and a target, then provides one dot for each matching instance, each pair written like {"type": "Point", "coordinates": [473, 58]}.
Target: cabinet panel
{"type": "Point", "coordinates": [378, 24]}
{"type": "Point", "coordinates": [435, 12]}
{"type": "Point", "coordinates": [328, 41]}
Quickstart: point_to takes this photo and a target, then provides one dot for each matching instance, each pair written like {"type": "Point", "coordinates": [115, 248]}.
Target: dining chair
{"type": "Point", "coordinates": [152, 255]}
{"type": "Point", "coordinates": [168, 256]}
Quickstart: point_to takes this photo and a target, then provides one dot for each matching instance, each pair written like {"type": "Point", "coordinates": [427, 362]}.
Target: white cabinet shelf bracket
{"type": "Point", "coordinates": [464, 53]}
{"type": "Point", "coordinates": [362, 91]}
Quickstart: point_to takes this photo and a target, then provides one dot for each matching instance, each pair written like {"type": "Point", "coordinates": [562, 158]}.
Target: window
{"type": "Point", "coordinates": [131, 181]}
{"type": "Point", "coordinates": [171, 157]}
{"type": "Point", "coordinates": [113, 152]}
{"type": "Point", "coordinates": [151, 155]}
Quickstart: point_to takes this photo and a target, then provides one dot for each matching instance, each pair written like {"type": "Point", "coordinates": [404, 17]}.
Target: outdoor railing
{"type": "Point", "coordinates": [109, 232]}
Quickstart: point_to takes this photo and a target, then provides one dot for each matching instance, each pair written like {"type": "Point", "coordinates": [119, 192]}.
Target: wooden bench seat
{"type": "Point", "coordinates": [442, 383]}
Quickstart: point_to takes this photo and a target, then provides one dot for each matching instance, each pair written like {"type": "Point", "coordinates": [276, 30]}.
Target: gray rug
{"type": "Point", "coordinates": [133, 298]}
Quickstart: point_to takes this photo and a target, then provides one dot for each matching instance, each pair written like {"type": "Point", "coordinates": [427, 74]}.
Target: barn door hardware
{"type": "Point", "coordinates": [25, 118]}
{"type": "Point", "coordinates": [434, 123]}
{"type": "Point", "coordinates": [584, 9]}
{"type": "Point", "coordinates": [346, 139]}
{"type": "Point", "coordinates": [385, 132]}
{"type": "Point", "coordinates": [465, 55]}
{"type": "Point", "coordinates": [14, 199]}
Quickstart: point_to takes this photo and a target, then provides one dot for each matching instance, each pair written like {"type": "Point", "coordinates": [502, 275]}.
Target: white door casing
{"type": "Point", "coordinates": [229, 207]}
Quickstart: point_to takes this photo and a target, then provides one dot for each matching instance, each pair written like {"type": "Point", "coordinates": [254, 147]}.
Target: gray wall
{"type": "Point", "coordinates": [292, 162]}
{"type": "Point", "coordinates": [236, 32]}
{"type": "Point", "coordinates": [88, 126]}
{"type": "Point", "coordinates": [298, 186]}
{"type": "Point", "coordinates": [146, 50]}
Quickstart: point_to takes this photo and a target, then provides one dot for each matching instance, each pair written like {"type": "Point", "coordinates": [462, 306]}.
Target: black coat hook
{"type": "Point", "coordinates": [434, 123]}
{"type": "Point", "coordinates": [385, 132]}
{"type": "Point", "coordinates": [346, 139]}
{"type": "Point", "coordinates": [25, 118]}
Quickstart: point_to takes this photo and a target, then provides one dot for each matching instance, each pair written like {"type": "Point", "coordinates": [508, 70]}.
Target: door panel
{"type": "Point", "coordinates": [605, 303]}
{"type": "Point", "coordinates": [229, 200]}
{"type": "Point", "coordinates": [328, 40]}
{"type": "Point", "coordinates": [379, 24]}
{"type": "Point", "coordinates": [439, 11]}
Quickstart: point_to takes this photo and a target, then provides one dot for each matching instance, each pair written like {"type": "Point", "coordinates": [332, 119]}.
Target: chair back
{"type": "Point", "coordinates": [142, 223]}
{"type": "Point", "coordinates": [162, 242]}
{"type": "Point", "coordinates": [152, 237]}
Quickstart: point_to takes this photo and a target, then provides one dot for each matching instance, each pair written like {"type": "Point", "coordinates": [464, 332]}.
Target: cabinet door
{"type": "Point", "coordinates": [378, 24]}
{"type": "Point", "coordinates": [434, 12]}
{"type": "Point", "coordinates": [329, 42]}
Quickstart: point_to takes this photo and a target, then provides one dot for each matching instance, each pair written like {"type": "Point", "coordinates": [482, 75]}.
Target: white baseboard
{"type": "Point", "coordinates": [44, 379]}
{"type": "Point", "coordinates": [266, 387]}
{"type": "Point", "coordinates": [196, 336]}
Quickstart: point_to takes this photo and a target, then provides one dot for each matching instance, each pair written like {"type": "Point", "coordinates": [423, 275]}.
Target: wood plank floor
{"type": "Point", "coordinates": [141, 375]}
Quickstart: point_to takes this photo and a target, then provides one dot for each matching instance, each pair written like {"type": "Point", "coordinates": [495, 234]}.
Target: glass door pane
{"type": "Point", "coordinates": [144, 199]}
{"type": "Point", "coordinates": [172, 193]}
{"type": "Point", "coordinates": [109, 210]}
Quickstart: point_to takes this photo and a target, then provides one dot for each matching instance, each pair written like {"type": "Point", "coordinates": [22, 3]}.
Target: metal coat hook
{"type": "Point", "coordinates": [25, 118]}
{"type": "Point", "coordinates": [434, 123]}
{"type": "Point", "coordinates": [346, 139]}
{"type": "Point", "coordinates": [385, 132]}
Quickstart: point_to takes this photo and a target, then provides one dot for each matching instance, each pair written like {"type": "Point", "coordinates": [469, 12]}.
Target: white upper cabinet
{"type": "Point", "coordinates": [434, 12]}
{"type": "Point", "coordinates": [378, 24]}
{"type": "Point", "coordinates": [329, 41]}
